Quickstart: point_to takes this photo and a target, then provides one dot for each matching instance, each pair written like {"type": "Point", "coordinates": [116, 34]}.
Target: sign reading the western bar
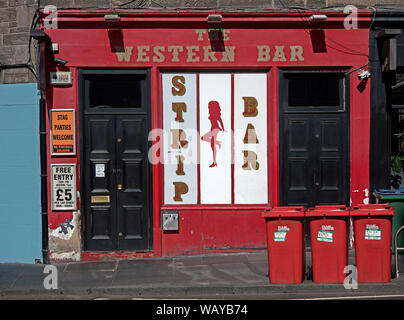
{"type": "Point", "coordinates": [63, 187]}
{"type": "Point", "coordinates": [63, 139]}
{"type": "Point", "coordinates": [215, 138]}
{"type": "Point", "coordinates": [211, 47]}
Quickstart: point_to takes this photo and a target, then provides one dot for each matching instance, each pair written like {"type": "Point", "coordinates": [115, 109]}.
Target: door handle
{"type": "Point", "coordinates": [316, 183]}
{"type": "Point", "coordinates": [119, 187]}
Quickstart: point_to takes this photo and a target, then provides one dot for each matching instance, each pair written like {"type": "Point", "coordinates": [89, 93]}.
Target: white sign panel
{"type": "Point", "coordinates": [250, 138]}
{"type": "Point", "coordinates": [63, 186]}
{"type": "Point", "coordinates": [215, 132]}
{"type": "Point", "coordinates": [100, 170]}
{"type": "Point", "coordinates": [180, 138]}
{"type": "Point", "coordinates": [61, 78]}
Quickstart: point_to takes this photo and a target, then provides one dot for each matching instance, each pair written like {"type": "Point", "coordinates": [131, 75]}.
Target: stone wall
{"type": "Point", "coordinates": [16, 17]}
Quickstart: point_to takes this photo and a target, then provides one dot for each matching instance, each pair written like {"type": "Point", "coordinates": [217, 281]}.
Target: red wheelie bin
{"type": "Point", "coordinates": [372, 235]}
{"type": "Point", "coordinates": [285, 241]}
{"type": "Point", "coordinates": [329, 242]}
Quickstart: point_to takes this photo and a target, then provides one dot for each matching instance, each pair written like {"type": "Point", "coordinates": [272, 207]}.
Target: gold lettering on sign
{"type": "Point", "coordinates": [263, 53]}
{"type": "Point", "coordinates": [200, 34]}
{"type": "Point", "coordinates": [180, 188]}
{"type": "Point", "coordinates": [228, 54]}
{"type": "Point", "coordinates": [213, 35]}
{"type": "Point", "coordinates": [125, 55]}
{"type": "Point", "coordinates": [226, 35]}
{"type": "Point", "coordinates": [250, 107]}
{"type": "Point", "coordinates": [250, 157]}
{"type": "Point", "coordinates": [279, 55]}
{"type": "Point", "coordinates": [250, 160]}
{"type": "Point", "coordinates": [192, 53]}
{"type": "Point", "coordinates": [180, 166]}
{"type": "Point", "coordinates": [208, 54]}
{"type": "Point", "coordinates": [179, 137]}
{"type": "Point", "coordinates": [220, 52]}
{"type": "Point", "coordinates": [178, 88]}
{"type": "Point", "coordinates": [296, 51]}
{"type": "Point", "coordinates": [179, 108]}
{"type": "Point", "coordinates": [142, 52]}
{"type": "Point", "coordinates": [250, 135]}
{"type": "Point", "coordinates": [158, 54]}
{"type": "Point", "coordinates": [175, 50]}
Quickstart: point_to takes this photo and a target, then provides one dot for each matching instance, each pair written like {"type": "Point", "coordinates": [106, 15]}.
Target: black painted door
{"type": "Point", "coordinates": [117, 182]}
{"type": "Point", "coordinates": [313, 155]}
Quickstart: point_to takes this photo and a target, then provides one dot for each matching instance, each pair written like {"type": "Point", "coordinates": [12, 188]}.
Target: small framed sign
{"type": "Point", "coordinates": [63, 187]}
{"type": "Point", "coordinates": [63, 132]}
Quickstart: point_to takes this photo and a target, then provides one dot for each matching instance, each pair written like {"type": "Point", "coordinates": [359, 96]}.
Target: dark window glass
{"type": "Point", "coordinates": [115, 91]}
{"type": "Point", "coordinates": [313, 89]}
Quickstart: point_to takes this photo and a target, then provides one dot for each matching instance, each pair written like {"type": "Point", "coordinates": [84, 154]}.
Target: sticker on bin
{"type": "Point", "coordinates": [280, 234]}
{"type": "Point", "coordinates": [373, 232]}
{"type": "Point", "coordinates": [325, 234]}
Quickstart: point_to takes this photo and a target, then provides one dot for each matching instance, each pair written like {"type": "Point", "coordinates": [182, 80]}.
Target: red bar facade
{"type": "Point", "coordinates": [184, 76]}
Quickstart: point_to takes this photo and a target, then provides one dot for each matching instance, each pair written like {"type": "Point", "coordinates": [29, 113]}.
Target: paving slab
{"type": "Point", "coordinates": [224, 276]}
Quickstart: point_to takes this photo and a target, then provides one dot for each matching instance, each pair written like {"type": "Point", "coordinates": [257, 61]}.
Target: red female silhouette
{"type": "Point", "coordinates": [216, 125]}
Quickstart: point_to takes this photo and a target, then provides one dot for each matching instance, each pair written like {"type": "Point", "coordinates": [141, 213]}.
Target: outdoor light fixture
{"type": "Point", "coordinates": [363, 74]}
{"type": "Point", "coordinates": [59, 61]}
{"type": "Point", "coordinates": [214, 18]}
{"type": "Point", "coordinates": [318, 17]}
{"type": "Point", "coordinates": [112, 18]}
{"type": "Point", "coordinates": [39, 35]}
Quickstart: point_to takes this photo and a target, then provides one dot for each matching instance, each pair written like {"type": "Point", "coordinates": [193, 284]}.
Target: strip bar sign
{"type": "Point", "coordinates": [63, 139]}
{"type": "Point", "coordinates": [63, 186]}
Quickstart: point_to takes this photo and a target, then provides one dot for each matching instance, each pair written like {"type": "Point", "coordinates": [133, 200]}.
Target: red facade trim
{"type": "Point", "coordinates": [83, 40]}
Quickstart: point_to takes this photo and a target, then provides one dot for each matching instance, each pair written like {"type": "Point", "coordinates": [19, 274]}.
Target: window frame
{"type": "Point", "coordinates": [284, 91]}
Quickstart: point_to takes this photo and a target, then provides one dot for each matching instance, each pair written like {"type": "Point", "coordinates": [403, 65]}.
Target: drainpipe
{"type": "Point", "coordinates": [44, 194]}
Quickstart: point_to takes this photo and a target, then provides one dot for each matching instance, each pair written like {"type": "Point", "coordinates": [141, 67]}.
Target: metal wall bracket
{"type": "Point", "coordinates": [170, 220]}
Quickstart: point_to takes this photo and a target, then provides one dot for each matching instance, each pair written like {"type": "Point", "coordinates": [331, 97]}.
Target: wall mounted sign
{"type": "Point", "coordinates": [61, 78]}
{"type": "Point", "coordinates": [100, 170]}
{"type": "Point", "coordinates": [180, 146]}
{"type": "Point", "coordinates": [63, 186]}
{"type": "Point", "coordinates": [63, 132]}
{"type": "Point", "coordinates": [215, 131]}
{"type": "Point", "coordinates": [250, 138]}
{"type": "Point", "coordinates": [215, 138]}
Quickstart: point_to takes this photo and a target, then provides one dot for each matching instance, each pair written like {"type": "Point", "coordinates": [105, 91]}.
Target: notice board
{"type": "Point", "coordinates": [63, 137]}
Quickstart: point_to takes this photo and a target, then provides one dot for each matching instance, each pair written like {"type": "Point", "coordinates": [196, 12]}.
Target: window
{"type": "Point", "coordinates": [115, 90]}
{"type": "Point", "coordinates": [316, 90]}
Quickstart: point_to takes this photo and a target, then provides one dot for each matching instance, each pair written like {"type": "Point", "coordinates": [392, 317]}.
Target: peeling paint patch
{"type": "Point", "coordinates": [65, 240]}
{"type": "Point", "coordinates": [65, 256]}
{"type": "Point", "coordinates": [366, 199]}
{"type": "Point", "coordinates": [65, 230]}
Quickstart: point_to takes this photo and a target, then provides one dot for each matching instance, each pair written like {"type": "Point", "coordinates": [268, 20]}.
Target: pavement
{"type": "Point", "coordinates": [218, 276]}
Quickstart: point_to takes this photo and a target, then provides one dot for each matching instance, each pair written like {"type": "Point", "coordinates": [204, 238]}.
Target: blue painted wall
{"type": "Point", "coordinates": [20, 184]}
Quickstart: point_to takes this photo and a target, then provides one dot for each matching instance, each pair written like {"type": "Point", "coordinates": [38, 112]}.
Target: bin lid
{"type": "Point", "coordinates": [388, 191]}
{"type": "Point", "coordinates": [386, 194]}
{"type": "Point", "coordinates": [328, 210]}
{"type": "Point", "coordinates": [372, 210]}
{"type": "Point", "coordinates": [296, 211]}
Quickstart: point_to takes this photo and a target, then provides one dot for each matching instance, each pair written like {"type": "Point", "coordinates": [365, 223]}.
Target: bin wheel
{"type": "Point", "coordinates": [309, 273]}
